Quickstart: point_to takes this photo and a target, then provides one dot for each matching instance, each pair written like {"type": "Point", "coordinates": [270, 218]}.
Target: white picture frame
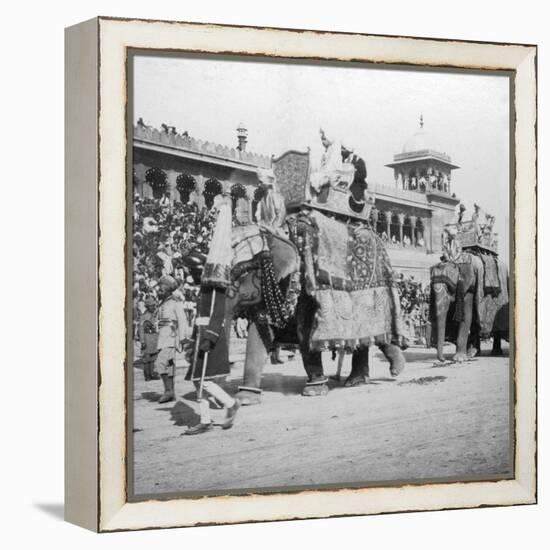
{"type": "Point", "coordinates": [96, 179]}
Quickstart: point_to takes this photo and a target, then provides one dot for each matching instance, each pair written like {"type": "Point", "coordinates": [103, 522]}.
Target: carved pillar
{"type": "Point", "coordinates": [200, 190]}
{"type": "Point", "coordinates": [401, 220]}
{"type": "Point", "coordinates": [374, 218]}
{"type": "Point", "coordinates": [171, 184]}
{"type": "Point", "coordinates": [388, 214]}
{"type": "Point", "coordinates": [413, 229]}
{"type": "Point", "coordinates": [427, 233]}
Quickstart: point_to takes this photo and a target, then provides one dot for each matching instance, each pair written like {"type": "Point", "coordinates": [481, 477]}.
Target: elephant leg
{"type": "Point", "coordinates": [442, 303]}
{"type": "Point", "coordinates": [464, 329]}
{"type": "Point", "coordinates": [316, 380]}
{"type": "Point", "coordinates": [359, 368]}
{"type": "Point", "coordinates": [395, 356]}
{"type": "Point", "coordinates": [256, 358]}
{"type": "Point", "coordinates": [276, 355]}
{"type": "Point", "coordinates": [497, 344]}
{"type": "Point", "coordinates": [474, 345]}
{"type": "Point", "coordinates": [341, 355]}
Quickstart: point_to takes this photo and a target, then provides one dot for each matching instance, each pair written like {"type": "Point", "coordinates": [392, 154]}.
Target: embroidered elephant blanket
{"type": "Point", "coordinates": [348, 273]}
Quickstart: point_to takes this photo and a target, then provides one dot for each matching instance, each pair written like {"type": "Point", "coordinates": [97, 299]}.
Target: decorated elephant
{"type": "Point", "coordinates": [469, 300]}
{"type": "Point", "coordinates": [330, 286]}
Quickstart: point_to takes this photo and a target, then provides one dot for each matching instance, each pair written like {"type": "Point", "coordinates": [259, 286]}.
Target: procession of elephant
{"type": "Point", "coordinates": [467, 304]}
{"type": "Point", "coordinates": [317, 282]}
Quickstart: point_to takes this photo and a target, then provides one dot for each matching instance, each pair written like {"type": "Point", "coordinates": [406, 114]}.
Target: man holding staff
{"type": "Point", "coordinates": [210, 356]}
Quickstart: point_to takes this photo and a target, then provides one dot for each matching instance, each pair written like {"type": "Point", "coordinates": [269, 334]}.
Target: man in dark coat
{"type": "Point", "coordinates": [359, 185]}
{"type": "Point", "coordinates": [210, 357]}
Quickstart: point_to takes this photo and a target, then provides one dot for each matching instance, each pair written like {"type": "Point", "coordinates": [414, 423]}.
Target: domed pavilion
{"type": "Point", "coordinates": [411, 213]}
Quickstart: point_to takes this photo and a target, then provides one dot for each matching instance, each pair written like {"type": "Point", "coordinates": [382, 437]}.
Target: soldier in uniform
{"type": "Point", "coordinates": [148, 336]}
{"type": "Point", "coordinates": [174, 331]}
{"type": "Point", "coordinates": [359, 185]}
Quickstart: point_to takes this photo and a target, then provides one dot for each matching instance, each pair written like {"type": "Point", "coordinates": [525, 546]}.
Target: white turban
{"type": "Point", "coordinates": [266, 175]}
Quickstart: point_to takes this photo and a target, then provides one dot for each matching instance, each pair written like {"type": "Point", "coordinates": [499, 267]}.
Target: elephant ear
{"type": "Point", "coordinates": [285, 257]}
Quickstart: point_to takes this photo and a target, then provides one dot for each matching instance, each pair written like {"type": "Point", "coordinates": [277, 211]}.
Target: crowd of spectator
{"type": "Point", "coordinates": [173, 238]}
{"type": "Point", "coordinates": [407, 242]}
{"type": "Point", "coordinates": [168, 239]}
{"type": "Point", "coordinates": [415, 306]}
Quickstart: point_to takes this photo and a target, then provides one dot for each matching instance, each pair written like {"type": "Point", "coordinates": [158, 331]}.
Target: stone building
{"type": "Point", "coordinates": [412, 212]}
{"type": "Point", "coordinates": [409, 213]}
{"type": "Point", "coordinates": [166, 162]}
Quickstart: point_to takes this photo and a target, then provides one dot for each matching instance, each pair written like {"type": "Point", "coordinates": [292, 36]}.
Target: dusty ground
{"type": "Point", "coordinates": [431, 422]}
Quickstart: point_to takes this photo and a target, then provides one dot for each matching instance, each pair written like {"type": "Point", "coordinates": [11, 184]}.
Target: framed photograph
{"type": "Point", "coordinates": [300, 274]}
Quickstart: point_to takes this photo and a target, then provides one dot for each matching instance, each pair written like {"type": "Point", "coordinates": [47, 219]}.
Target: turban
{"type": "Point", "coordinates": [169, 282]}
{"type": "Point", "coordinates": [266, 176]}
{"type": "Point", "coordinates": [346, 147]}
{"type": "Point", "coordinates": [150, 301]}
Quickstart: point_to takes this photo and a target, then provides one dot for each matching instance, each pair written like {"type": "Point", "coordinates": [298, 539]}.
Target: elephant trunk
{"type": "Point", "coordinates": [441, 321]}
{"type": "Point", "coordinates": [440, 303]}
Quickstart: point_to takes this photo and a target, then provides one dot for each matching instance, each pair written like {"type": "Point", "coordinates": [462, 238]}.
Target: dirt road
{"type": "Point", "coordinates": [431, 422]}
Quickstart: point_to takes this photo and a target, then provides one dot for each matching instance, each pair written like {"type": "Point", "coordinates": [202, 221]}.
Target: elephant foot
{"type": "Point", "coordinates": [472, 352]}
{"type": "Point", "coordinates": [335, 377]}
{"type": "Point", "coordinates": [460, 358]}
{"type": "Point", "coordinates": [397, 368]}
{"type": "Point", "coordinates": [249, 396]}
{"type": "Point", "coordinates": [353, 381]}
{"type": "Point", "coordinates": [316, 388]}
{"type": "Point", "coordinates": [396, 358]}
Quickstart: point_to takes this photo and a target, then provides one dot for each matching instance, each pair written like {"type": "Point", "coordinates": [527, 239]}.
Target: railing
{"type": "Point", "coordinates": [187, 143]}
{"type": "Point", "coordinates": [422, 153]}
{"type": "Point", "coordinates": [417, 196]}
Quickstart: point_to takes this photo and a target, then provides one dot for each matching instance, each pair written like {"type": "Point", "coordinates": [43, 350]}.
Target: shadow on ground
{"type": "Point", "coordinates": [182, 414]}
{"type": "Point", "coordinates": [53, 509]}
{"type": "Point", "coordinates": [151, 396]}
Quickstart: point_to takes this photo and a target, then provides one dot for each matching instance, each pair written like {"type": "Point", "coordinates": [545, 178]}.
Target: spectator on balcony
{"type": "Point", "coordinates": [165, 200]}
{"type": "Point", "coordinates": [150, 224]}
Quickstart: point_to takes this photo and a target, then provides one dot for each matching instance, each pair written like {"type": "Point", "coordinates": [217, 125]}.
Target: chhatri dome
{"type": "Point", "coordinates": [419, 141]}
{"type": "Point", "coordinates": [421, 166]}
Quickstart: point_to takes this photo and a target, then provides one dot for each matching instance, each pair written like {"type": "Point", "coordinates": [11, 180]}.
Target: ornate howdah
{"type": "Point", "coordinates": [470, 234]}
{"type": "Point", "coordinates": [292, 171]}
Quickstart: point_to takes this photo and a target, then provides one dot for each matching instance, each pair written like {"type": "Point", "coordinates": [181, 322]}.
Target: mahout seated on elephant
{"type": "Point", "coordinates": [469, 301]}
{"type": "Point", "coordinates": [334, 283]}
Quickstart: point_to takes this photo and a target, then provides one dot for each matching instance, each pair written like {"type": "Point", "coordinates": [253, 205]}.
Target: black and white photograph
{"type": "Point", "coordinates": [320, 280]}
{"type": "Point", "coordinates": [279, 271]}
